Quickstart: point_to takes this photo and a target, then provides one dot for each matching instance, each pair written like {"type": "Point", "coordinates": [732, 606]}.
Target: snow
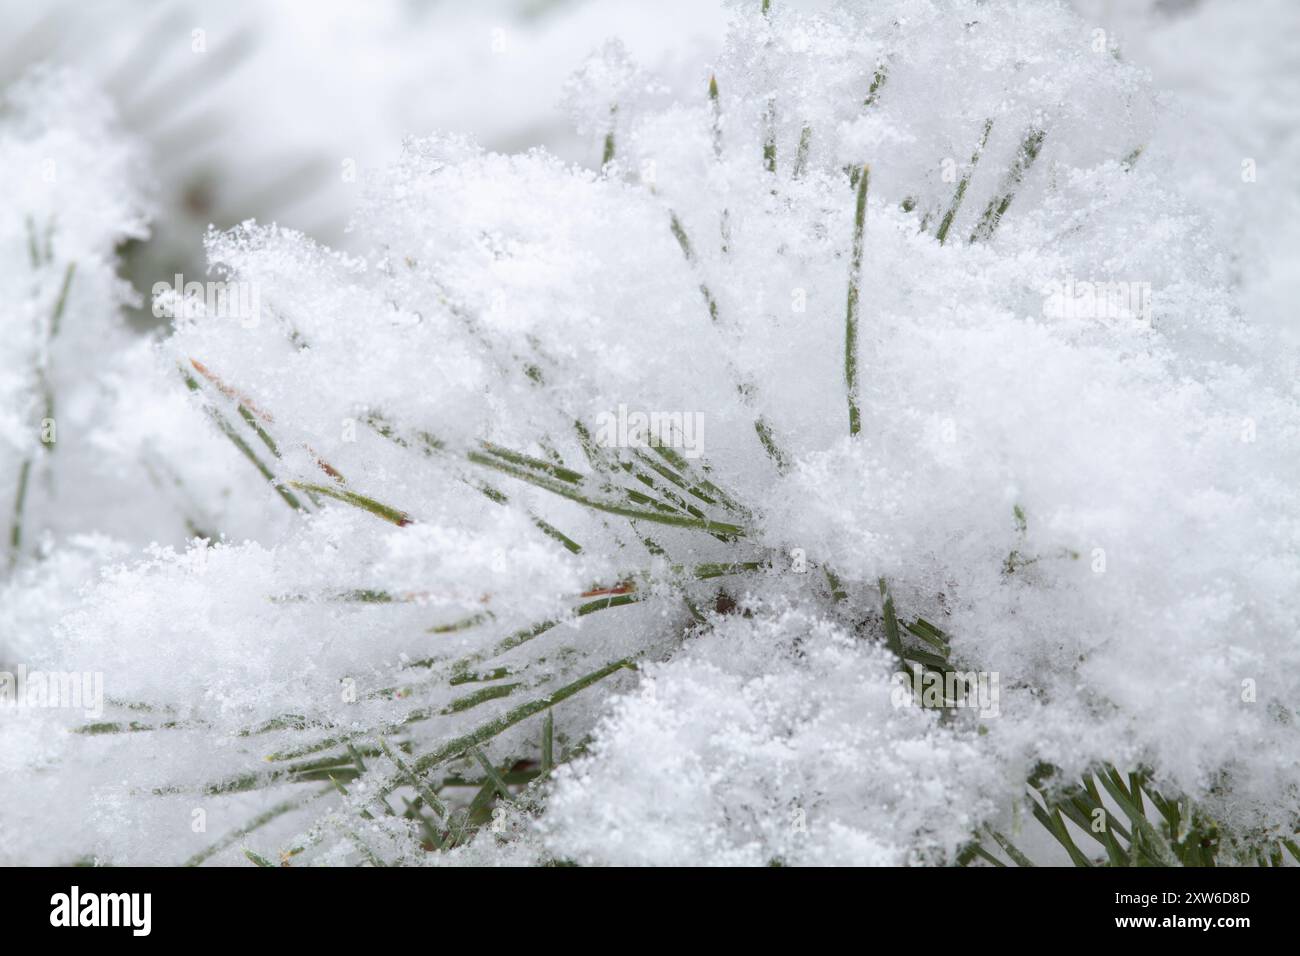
{"type": "Point", "coordinates": [1099, 508]}
{"type": "Point", "coordinates": [770, 740]}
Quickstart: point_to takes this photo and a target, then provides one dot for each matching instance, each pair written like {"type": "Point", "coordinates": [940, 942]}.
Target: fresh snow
{"type": "Point", "coordinates": [1099, 508]}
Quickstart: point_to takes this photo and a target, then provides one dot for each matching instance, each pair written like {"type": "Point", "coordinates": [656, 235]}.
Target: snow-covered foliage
{"type": "Point", "coordinates": [96, 438]}
{"type": "Point", "coordinates": [856, 271]}
{"type": "Point", "coordinates": [101, 451]}
{"type": "Point", "coordinates": [76, 199]}
{"type": "Point", "coordinates": [772, 742]}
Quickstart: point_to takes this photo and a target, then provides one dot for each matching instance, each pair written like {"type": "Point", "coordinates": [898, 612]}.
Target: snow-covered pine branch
{"type": "Point", "coordinates": [1091, 502]}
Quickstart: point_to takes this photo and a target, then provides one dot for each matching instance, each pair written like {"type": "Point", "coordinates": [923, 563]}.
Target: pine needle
{"type": "Point", "coordinates": [852, 309]}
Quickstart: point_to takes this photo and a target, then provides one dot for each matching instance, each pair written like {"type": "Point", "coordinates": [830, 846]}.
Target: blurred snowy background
{"type": "Point", "coordinates": [280, 110]}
